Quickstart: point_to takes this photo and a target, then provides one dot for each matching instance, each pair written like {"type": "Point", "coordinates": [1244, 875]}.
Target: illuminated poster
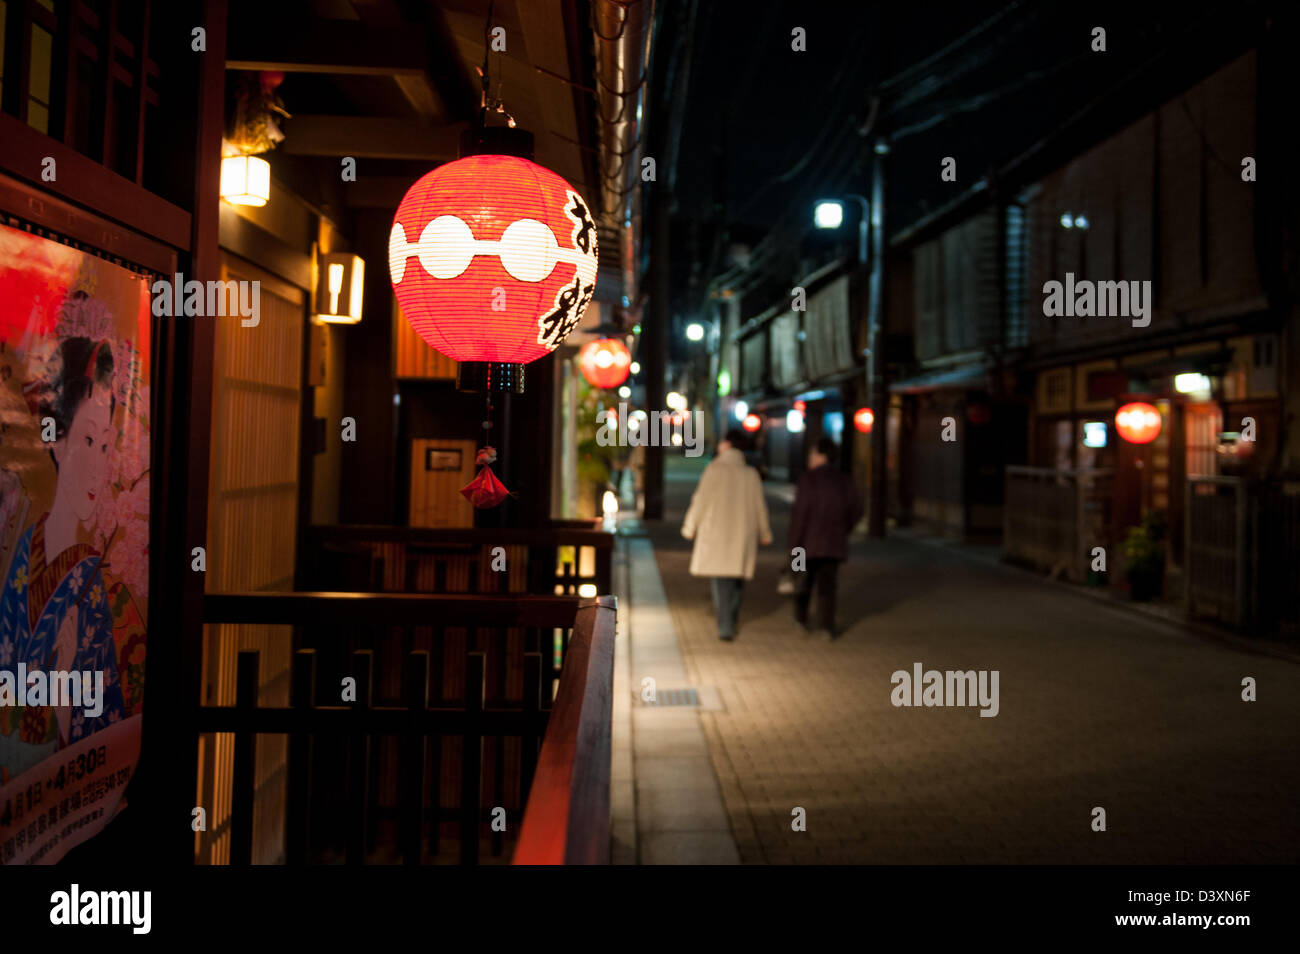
{"type": "Point", "coordinates": [74, 541]}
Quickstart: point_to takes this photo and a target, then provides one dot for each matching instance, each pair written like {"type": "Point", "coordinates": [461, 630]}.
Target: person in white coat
{"type": "Point", "coordinates": [727, 519]}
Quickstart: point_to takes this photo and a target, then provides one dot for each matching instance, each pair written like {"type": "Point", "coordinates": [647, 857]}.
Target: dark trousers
{"type": "Point", "coordinates": [822, 576]}
{"type": "Point", "coordinates": [727, 592]}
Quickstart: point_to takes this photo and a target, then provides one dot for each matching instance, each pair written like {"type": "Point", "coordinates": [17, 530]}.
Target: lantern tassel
{"type": "Point", "coordinates": [485, 490]}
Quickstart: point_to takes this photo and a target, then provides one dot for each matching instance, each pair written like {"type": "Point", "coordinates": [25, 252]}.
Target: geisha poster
{"type": "Point", "coordinates": [74, 541]}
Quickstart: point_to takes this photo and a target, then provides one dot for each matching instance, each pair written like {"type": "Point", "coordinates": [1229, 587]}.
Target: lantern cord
{"type": "Point", "coordinates": [487, 53]}
{"type": "Point", "coordinates": [487, 102]}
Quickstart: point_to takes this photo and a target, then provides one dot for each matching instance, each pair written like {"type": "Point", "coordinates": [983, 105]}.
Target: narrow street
{"type": "Point", "coordinates": [1098, 707]}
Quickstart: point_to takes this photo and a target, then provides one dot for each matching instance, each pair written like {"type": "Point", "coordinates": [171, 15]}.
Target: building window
{"type": "Point", "coordinates": [1016, 322]}
{"type": "Point", "coordinates": [38, 79]}
{"type": "Point", "coordinates": [1203, 422]}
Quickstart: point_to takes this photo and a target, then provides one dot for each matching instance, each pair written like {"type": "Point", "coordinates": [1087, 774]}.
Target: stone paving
{"type": "Point", "coordinates": [1099, 707]}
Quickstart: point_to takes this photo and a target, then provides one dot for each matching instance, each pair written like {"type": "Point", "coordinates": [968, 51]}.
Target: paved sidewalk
{"type": "Point", "coordinates": [1098, 708]}
{"type": "Point", "coordinates": [666, 807]}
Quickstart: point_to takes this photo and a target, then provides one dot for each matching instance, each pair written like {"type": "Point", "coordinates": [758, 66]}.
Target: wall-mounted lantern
{"type": "Point", "coordinates": [245, 180]}
{"type": "Point", "coordinates": [340, 281]}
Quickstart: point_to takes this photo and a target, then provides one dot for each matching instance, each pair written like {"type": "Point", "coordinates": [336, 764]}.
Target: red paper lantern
{"type": "Point", "coordinates": [493, 260]}
{"type": "Point", "coordinates": [605, 363]}
{"type": "Point", "coordinates": [863, 419]}
{"type": "Point", "coordinates": [751, 423]}
{"type": "Point", "coordinates": [979, 413]}
{"type": "Point", "coordinates": [1138, 422]}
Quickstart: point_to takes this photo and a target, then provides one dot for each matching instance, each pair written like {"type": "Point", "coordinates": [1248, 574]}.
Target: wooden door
{"type": "Point", "coordinates": [439, 469]}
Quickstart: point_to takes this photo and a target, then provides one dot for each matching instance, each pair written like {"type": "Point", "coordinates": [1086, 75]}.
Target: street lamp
{"type": "Point", "coordinates": [829, 214]}
{"type": "Point", "coordinates": [695, 331]}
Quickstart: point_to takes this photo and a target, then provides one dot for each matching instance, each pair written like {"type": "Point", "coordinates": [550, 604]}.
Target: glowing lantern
{"type": "Point", "coordinates": [751, 423]}
{"type": "Point", "coordinates": [245, 180]}
{"type": "Point", "coordinates": [605, 363]}
{"type": "Point", "coordinates": [1138, 423]}
{"type": "Point", "coordinates": [979, 413]}
{"type": "Point", "coordinates": [863, 419]}
{"type": "Point", "coordinates": [493, 260]}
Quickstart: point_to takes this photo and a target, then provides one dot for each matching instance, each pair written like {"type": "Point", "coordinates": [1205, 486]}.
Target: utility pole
{"type": "Point", "coordinates": [878, 396]}
{"type": "Point", "coordinates": [654, 344]}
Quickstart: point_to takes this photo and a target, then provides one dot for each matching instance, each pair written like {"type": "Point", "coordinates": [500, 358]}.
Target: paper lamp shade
{"type": "Point", "coordinates": [339, 286]}
{"type": "Point", "coordinates": [245, 180]}
{"type": "Point", "coordinates": [1138, 422]}
{"type": "Point", "coordinates": [605, 363]}
{"type": "Point", "coordinates": [752, 422]}
{"type": "Point", "coordinates": [864, 419]}
{"type": "Point", "coordinates": [493, 259]}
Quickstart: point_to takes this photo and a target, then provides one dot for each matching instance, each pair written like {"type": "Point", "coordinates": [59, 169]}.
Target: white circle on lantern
{"type": "Point", "coordinates": [446, 247]}
{"type": "Point", "coordinates": [528, 250]}
{"type": "Point", "coordinates": [604, 359]}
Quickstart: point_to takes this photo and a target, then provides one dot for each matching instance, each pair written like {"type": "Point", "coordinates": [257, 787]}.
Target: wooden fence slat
{"type": "Point", "coordinates": [245, 769]}
{"type": "Point", "coordinates": [359, 763]}
{"type": "Point", "coordinates": [471, 760]}
{"type": "Point", "coordinates": [532, 703]}
{"type": "Point", "coordinates": [303, 698]}
{"type": "Point", "coordinates": [411, 766]}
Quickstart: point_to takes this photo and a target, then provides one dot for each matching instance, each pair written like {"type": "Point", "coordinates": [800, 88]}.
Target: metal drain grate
{"type": "Point", "coordinates": [704, 698]}
{"type": "Point", "coordinates": [673, 697]}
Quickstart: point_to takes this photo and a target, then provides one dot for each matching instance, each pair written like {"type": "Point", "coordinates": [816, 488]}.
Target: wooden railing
{"type": "Point", "coordinates": [467, 672]}
{"type": "Point", "coordinates": [1242, 553]}
{"type": "Point", "coordinates": [557, 560]}
{"type": "Point", "coordinates": [567, 817]}
{"type": "Point", "coordinates": [1053, 518]}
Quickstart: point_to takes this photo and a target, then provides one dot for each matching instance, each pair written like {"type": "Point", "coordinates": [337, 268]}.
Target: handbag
{"type": "Point", "coordinates": [791, 583]}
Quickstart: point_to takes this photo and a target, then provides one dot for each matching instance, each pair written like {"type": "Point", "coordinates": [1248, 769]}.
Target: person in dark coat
{"type": "Point", "coordinates": [827, 506]}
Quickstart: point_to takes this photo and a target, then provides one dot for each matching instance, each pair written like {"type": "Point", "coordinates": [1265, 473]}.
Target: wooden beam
{"type": "Point", "coordinates": [336, 47]}
{"type": "Point", "coordinates": [395, 609]}
{"type": "Point", "coordinates": [33, 205]}
{"type": "Point", "coordinates": [372, 137]}
{"type": "Point", "coordinates": [377, 192]}
{"type": "Point", "coordinates": [420, 93]}
{"type": "Point", "coordinates": [246, 240]}
{"type": "Point", "coordinates": [566, 820]}
{"type": "Point", "coordinates": [89, 184]}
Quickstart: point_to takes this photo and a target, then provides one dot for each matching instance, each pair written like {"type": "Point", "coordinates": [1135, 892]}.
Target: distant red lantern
{"type": "Point", "coordinates": [504, 264]}
{"type": "Point", "coordinates": [864, 419]}
{"type": "Point", "coordinates": [605, 363]}
{"type": "Point", "coordinates": [751, 423]}
{"type": "Point", "coordinates": [1138, 422]}
{"type": "Point", "coordinates": [979, 413]}
{"type": "Point", "coordinates": [801, 407]}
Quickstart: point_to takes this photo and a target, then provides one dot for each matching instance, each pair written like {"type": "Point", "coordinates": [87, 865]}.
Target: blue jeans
{"type": "Point", "coordinates": [727, 592]}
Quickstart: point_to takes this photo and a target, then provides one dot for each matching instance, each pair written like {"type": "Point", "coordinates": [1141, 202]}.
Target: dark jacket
{"type": "Point", "coordinates": [827, 507]}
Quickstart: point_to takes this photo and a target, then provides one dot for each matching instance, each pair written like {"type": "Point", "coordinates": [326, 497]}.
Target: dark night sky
{"type": "Point", "coordinates": [762, 107]}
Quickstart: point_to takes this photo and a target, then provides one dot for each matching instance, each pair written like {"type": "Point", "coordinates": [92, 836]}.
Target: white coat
{"type": "Point", "coordinates": [727, 518]}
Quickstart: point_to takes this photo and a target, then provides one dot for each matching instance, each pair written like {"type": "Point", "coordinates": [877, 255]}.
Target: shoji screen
{"type": "Point", "coordinates": [252, 528]}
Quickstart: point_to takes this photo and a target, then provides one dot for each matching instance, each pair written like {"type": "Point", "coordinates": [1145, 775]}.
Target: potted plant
{"type": "Point", "coordinates": [1144, 557]}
